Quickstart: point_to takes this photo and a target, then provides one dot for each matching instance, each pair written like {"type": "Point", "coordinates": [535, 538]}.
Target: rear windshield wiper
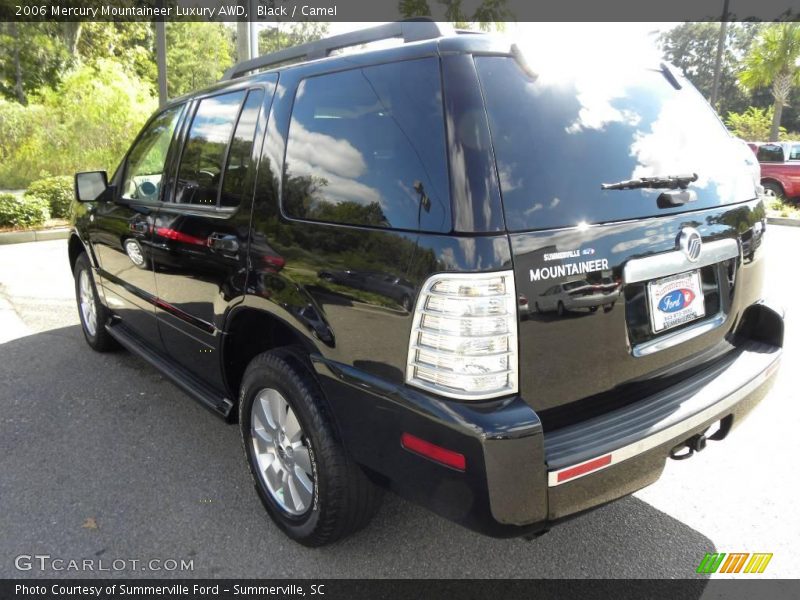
{"type": "Point", "coordinates": [670, 182]}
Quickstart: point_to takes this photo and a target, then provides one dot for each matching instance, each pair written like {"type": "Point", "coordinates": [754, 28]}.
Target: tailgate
{"type": "Point", "coordinates": [586, 360]}
{"type": "Point", "coordinates": [629, 288]}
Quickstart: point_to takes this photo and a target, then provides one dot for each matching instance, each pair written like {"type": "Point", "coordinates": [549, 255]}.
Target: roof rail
{"type": "Point", "coordinates": [410, 30]}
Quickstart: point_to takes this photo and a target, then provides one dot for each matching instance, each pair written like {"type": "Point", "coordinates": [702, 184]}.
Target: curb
{"type": "Point", "coordinates": [783, 221]}
{"type": "Point", "coordinates": [20, 237]}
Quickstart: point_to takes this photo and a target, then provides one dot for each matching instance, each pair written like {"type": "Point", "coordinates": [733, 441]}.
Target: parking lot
{"type": "Point", "coordinates": [102, 458]}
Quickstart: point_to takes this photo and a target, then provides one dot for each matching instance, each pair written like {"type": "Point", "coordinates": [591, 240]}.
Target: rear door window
{"type": "Point", "coordinates": [367, 147]}
{"type": "Point", "coordinates": [561, 134]}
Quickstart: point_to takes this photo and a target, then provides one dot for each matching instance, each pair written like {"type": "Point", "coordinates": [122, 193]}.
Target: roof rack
{"type": "Point", "coordinates": [411, 31]}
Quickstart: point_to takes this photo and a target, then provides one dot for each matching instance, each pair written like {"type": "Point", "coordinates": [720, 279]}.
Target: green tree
{"type": "Point", "coordinates": [128, 43]}
{"type": "Point", "coordinates": [86, 123]}
{"type": "Point", "coordinates": [285, 35]}
{"type": "Point", "coordinates": [32, 55]}
{"type": "Point", "coordinates": [487, 15]}
{"type": "Point", "coordinates": [197, 55]}
{"type": "Point", "coordinates": [753, 124]}
{"type": "Point", "coordinates": [772, 61]}
{"type": "Point", "coordinates": [692, 48]}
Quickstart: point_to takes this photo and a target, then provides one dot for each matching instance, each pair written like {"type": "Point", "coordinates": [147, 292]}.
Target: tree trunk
{"type": "Point", "coordinates": [19, 90]}
{"type": "Point", "coordinates": [72, 35]}
{"type": "Point", "coordinates": [775, 130]}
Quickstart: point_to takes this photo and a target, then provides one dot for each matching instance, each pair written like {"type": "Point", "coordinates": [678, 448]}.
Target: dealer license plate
{"type": "Point", "coordinates": [675, 300]}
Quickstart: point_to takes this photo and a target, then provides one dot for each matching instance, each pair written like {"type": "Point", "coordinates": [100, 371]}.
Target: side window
{"type": "Point", "coordinates": [770, 153]}
{"type": "Point", "coordinates": [144, 170]}
{"type": "Point", "coordinates": [367, 147]}
{"type": "Point", "coordinates": [240, 155]}
{"type": "Point", "coordinates": [794, 154]}
{"type": "Point", "coordinates": [203, 157]}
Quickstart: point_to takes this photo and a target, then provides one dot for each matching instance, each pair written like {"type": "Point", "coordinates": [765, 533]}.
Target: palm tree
{"type": "Point", "coordinates": [772, 61]}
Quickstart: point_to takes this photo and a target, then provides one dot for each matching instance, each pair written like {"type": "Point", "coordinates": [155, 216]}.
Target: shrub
{"type": "Point", "coordinates": [57, 191]}
{"type": "Point", "coordinates": [29, 211]}
{"type": "Point", "coordinates": [752, 125]}
{"type": "Point", "coordinates": [88, 123]}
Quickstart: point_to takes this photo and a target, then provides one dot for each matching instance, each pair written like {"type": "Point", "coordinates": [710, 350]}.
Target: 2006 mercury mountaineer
{"type": "Point", "coordinates": [346, 252]}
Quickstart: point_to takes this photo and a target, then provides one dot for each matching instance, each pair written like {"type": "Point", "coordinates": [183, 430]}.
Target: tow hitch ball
{"type": "Point", "coordinates": [686, 449]}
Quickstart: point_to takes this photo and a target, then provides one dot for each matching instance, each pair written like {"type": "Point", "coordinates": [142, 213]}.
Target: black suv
{"type": "Point", "coordinates": [344, 253]}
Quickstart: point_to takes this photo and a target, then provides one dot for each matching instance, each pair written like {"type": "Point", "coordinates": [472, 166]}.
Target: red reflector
{"type": "Point", "coordinates": [586, 467]}
{"type": "Point", "coordinates": [434, 452]}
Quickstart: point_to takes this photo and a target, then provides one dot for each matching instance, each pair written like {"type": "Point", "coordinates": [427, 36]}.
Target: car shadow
{"type": "Point", "coordinates": [103, 458]}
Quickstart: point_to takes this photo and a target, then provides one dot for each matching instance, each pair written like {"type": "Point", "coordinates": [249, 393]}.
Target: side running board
{"type": "Point", "coordinates": [198, 390]}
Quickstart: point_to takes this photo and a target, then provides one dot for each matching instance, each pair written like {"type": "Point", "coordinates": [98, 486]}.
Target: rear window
{"type": "Point", "coordinates": [560, 135]}
{"type": "Point", "coordinates": [770, 153]}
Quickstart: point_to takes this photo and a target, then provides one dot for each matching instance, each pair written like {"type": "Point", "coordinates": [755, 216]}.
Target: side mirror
{"type": "Point", "coordinates": [90, 186]}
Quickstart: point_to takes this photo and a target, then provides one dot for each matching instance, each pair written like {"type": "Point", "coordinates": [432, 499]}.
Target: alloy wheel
{"type": "Point", "coordinates": [88, 304]}
{"type": "Point", "coordinates": [281, 452]}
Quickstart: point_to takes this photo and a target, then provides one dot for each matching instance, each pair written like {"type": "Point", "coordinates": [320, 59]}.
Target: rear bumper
{"type": "Point", "coordinates": [513, 483]}
{"type": "Point", "coordinates": [628, 447]}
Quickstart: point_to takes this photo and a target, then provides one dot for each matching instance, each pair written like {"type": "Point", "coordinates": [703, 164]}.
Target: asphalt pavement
{"type": "Point", "coordinates": [102, 459]}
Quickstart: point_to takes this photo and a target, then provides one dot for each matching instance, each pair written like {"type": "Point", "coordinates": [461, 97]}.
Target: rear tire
{"type": "Point", "coordinates": [93, 314]}
{"type": "Point", "coordinates": [773, 188]}
{"type": "Point", "coordinates": [285, 456]}
{"type": "Point", "coordinates": [561, 310]}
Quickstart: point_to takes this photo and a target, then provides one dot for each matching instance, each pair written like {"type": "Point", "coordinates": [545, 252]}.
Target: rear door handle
{"type": "Point", "coordinates": [223, 242]}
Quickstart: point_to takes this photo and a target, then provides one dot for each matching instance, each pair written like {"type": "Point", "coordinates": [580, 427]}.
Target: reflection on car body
{"type": "Point", "coordinates": [397, 289]}
{"type": "Point", "coordinates": [579, 294]}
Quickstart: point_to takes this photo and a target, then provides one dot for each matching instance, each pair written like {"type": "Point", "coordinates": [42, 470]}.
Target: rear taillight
{"type": "Point", "coordinates": [464, 336]}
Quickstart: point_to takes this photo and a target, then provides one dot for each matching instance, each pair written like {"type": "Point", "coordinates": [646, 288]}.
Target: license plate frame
{"type": "Point", "coordinates": [675, 300]}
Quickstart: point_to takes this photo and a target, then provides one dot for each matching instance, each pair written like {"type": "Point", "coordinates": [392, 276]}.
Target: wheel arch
{"type": "Point", "coordinates": [777, 182]}
{"type": "Point", "coordinates": [251, 331]}
{"type": "Point", "coordinates": [75, 248]}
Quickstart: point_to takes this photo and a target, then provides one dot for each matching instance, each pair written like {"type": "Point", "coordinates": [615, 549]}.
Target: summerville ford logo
{"type": "Point", "coordinates": [675, 300]}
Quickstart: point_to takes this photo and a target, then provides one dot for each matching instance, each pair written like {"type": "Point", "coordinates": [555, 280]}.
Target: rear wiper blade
{"type": "Point", "coordinates": [670, 182]}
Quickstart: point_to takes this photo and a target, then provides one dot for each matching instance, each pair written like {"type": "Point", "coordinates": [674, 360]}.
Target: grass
{"type": "Point", "coordinates": [779, 207]}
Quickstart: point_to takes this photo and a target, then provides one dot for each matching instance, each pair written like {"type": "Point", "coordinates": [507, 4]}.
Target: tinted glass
{"type": "Point", "coordinates": [367, 147]}
{"type": "Point", "coordinates": [560, 135]}
{"type": "Point", "coordinates": [240, 155]}
{"type": "Point", "coordinates": [145, 167]}
{"type": "Point", "coordinates": [203, 156]}
{"type": "Point", "coordinates": [794, 154]}
{"type": "Point", "coordinates": [770, 153]}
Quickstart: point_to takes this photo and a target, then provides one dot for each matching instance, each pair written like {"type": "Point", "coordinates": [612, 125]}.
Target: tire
{"type": "Point", "coordinates": [92, 313]}
{"type": "Point", "coordinates": [536, 307]}
{"type": "Point", "coordinates": [561, 310]}
{"type": "Point", "coordinates": [593, 309]}
{"type": "Point", "coordinates": [406, 303]}
{"type": "Point", "coordinates": [774, 188]}
{"type": "Point", "coordinates": [607, 308]}
{"type": "Point", "coordinates": [342, 499]}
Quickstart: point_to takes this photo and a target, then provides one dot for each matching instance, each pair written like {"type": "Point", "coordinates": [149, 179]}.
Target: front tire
{"type": "Point", "coordinates": [310, 487]}
{"type": "Point", "coordinates": [93, 314]}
